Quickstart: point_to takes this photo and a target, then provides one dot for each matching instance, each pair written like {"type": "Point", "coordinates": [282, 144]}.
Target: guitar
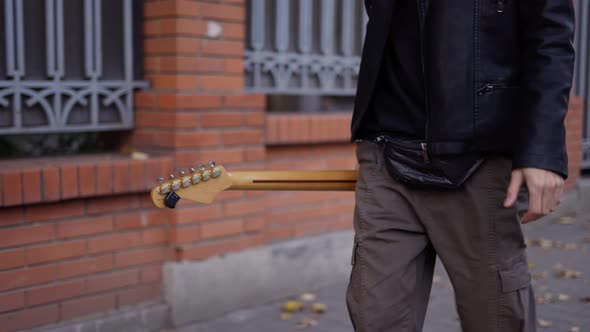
{"type": "Point", "coordinates": [203, 184]}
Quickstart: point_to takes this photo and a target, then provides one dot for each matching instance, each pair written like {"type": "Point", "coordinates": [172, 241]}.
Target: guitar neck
{"type": "Point", "coordinates": [294, 180]}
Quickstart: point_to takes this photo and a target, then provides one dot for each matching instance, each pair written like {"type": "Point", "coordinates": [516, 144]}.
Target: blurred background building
{"type": "Point", "coordinates": [258, 84]}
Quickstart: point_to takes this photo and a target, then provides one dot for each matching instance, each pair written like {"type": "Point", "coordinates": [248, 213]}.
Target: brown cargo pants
{"type": "Point", "coordinates": [398, 233]}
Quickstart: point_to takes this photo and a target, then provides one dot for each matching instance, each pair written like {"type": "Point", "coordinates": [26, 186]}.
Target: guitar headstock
{"type": "Point", "coordinates": [199, 185]}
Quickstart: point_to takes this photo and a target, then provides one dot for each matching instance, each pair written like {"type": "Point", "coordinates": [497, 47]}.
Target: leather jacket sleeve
{"type": "Point", "coordinates": [547, 31]}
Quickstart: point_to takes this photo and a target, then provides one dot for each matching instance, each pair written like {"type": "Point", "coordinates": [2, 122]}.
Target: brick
{"type": "Point", "coordinates": [171, 46]}
{"type": "Point", "coordinates": [235, 31]}
{"type": "Point", "coordinates": [48, 212]}
{"type": "Point", "coordinates": [11, 259]}
{"type": "Point", "coordinates": [187, 64]}
{"type": "Point", "coordinates": [222, 119]}
{"type": "Point", "coordinates": [89, 226]}
{"type": "Point", "coordinates": [278, 234]}
{"type": "Point", "coordinates": [254, 224]}
{"type": "Point", "coordinates": [120, 180]}
{"type": "Point", "coordinates": [53, 293]}
{"type": "Point", "coordinates": [55, 252]}
{"type": "Point", "coordinates": [196, 214]}
{"type": "Point", "coordinates": [151, 274]}
{"type": "Point", "coordinates": [150, 237]}
{"type": "Point", "coordinates": [182, 26]}
{"type": "Point", "coordinates": [170, 8]}
{"type": "Point", "coordinates": [112, 281]}
{"type": "Point", "coordinates": [255, 119]}
{"type": "Point", "coordinates": [255, 153]}
{"type": "Point", "coordinates": [210, 47]}
{"type": "Point", "coordinates": [140, 219]}
{"type": "Point", "coordinates": [13, 237]}
{"type": "Point", "coordinates": [114, 242]}
{"type": "Point", "coordinates": [251, 101]}
{"type": "Point", "coordinates": [233, 66]}
{"type": "Point", "coordinates": [11, 301]}
{"type": "Point", "coordinates": [220, 83]}
{"type": "Point", "coordinates": [26, 277]}
{"type": "Point", "coordinates": [86, 306]}
{"type": "Point", "coordinates": [221, 229]}
{"type": "Point", "coordinates": [244, 136]}
{"type": "Point", "coordinates": [197, 139]}
{"type": "Point", "coordinates": [85, 266]}
{"type": "Point", "coordinates": [32, 186]}
{"type": "Point", "coordinates": [184, 235]}
{"type": "Point", "coordinates": [145, 293]}
{"type": "Point", "coordinates": [137, 180]}
{"type": "Point", "coordinates": [87, 174]}
{"type": "Point", "coordinates": [30, 318]}
{"type": "Point", "coordinates": [112, 204]}
{"type": "Point", "coordinates": [243, 208]}
{"type": "Point", "coordinates": [104, 178]}
{"type": "Point", "coordinates": [188, 101]}
{"type": "Point", "coordinates": [13, 188]}
{"type": "Point", "coordinates": [177, 82]}
{"type": "Point", "coordinates": [225, 156]}
{"type": "Point", "coordinates": [139, 257]}
{"type": "Point", "coordinates": [145, 100]}
{"type": "Point", "coordinates": [69, 181]}
{"type": "Point", "coordinates": [222, 12]}
{"type": "Point", "coordinates": [51, 183]}
{"type": "Point", "coordinates": [11, 216]}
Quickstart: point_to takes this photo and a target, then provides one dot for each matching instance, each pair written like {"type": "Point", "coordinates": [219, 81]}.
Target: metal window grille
{"type": "Point", "coordinates": [67, 65]}
{"type": "Point", "coordinates": [304, 47]}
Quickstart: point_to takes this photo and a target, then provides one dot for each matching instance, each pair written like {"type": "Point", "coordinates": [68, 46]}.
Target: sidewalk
{"type": "Point", "coordinates": [557, 248]}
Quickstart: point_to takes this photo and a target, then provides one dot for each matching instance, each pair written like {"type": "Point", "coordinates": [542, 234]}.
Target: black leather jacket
{"type": "Point", "coordinates": [498, 75]}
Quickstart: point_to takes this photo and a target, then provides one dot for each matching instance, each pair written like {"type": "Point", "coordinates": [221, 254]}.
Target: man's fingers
{"type": "Point", "coordinates": [535, 200]}
{"type": "Point", "coordinates": [515, 184]}
{"type": "Point", "coordinates": [528, 217]}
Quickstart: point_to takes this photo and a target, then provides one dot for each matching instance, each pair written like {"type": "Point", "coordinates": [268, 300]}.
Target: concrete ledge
{"type": "Point", "coordinates": [144, 318]}
{"type": "Point", "coordinates": [197, 291]}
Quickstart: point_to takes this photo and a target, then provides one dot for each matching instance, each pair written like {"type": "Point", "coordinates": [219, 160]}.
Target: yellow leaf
{"type": "Point", "coordinates": [318, 308]}
{"type": "Point", "coordinates": [292, 306]}
{"type": "Point", "coordinates": [545, 323]}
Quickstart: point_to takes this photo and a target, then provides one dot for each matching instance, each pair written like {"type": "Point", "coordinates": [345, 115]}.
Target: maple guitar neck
{"type": "Point", "coordinates": [294, 180]}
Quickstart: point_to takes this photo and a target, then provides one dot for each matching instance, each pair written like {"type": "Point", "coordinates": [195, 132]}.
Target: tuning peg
{"type": "Point", "coordinates": [212, 164]}
{"type": "Point", "coordinates": [171, 176]}
{"type": "Point", "coordinates": [181, 173]}
{"type": "Point", "coordinates": [202, 168]}
{"type": "Point", "coordinates": [192, 170]}
{"type": "Point", "coordinates": [161, 180]}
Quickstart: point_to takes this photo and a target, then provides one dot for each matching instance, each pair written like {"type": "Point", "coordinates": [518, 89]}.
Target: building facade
{"type": "Point", "coordinates": [257, 85]}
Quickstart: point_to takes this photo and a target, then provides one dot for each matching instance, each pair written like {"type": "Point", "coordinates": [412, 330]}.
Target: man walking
{"type": "Point", "coordinates": [460, 103]}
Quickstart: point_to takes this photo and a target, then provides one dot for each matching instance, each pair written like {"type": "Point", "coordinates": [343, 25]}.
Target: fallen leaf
{"type": "Point", "coordinates": [541, 243]}
{"type": "Point", "coordinates": [286, 316]}
{"type": "Point", "coordinates": [306, 322]}
{"type": "Point", "coordinates": [568, 274]}
{"type": "Point", "coordinates": [437, 280]}
{"type": "Point", "coordinates": [569, 246]}
{"type": "Point", "coordinates": [539, 276]}
{"type": "Point", "coordinates": [318, 308]}
{"type": "Point", "coordinates": [587, 239]}
{"type": "Point", "coordinates": [566, 221]}
{"type": "Point", "coordinates": [292, 306]}
{"type": "Point", "coordinates": [545, 323]}
{"type": "Point", "coordinates": [563, 297]}
{"type": "Point", "coordinates": [575, 329]}
{"type": "Point", "coordinates": [531, 265]}
{"type": "Point", "coordinates": [585, 299]}
{"type": "Point", "coordinates": [308, 297]}
{"type": "Point", "coordinates": [545, 298]}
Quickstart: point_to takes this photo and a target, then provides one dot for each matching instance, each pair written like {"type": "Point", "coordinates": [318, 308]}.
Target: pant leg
{"type": "Point", "coordinates": [393, 260]}
{"type": "Point", "coordinates": [482, 247]}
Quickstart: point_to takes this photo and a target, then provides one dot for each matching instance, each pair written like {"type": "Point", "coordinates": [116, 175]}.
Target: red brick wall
{"type": "Point", "coordinates": [80, 236]}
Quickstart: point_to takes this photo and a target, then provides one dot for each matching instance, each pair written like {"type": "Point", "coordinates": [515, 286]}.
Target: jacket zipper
{"type": "Point", "coordinates": [500, 6]}
{"type": "Point", "coordinates": [424, 145]}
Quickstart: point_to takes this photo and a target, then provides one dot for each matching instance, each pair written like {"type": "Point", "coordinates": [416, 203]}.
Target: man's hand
{"type": "Point", "coordinates": [545, 189]}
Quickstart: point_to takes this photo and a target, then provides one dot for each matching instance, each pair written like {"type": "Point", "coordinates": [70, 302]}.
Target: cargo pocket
{"type": "Point", "coordinates": [517, 300]}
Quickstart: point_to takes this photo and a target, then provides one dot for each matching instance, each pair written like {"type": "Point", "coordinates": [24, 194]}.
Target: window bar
{"type": "Point", "coordinates": [257, 36]}
{"type": "Point", "coordinates": [327, 27]}
{"type": "Point", "coordinates": [127, 117]}
{"type": "Point", "coordinates": [282, 26]}
{"type": "Point", "coordinates": [305, 36]}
